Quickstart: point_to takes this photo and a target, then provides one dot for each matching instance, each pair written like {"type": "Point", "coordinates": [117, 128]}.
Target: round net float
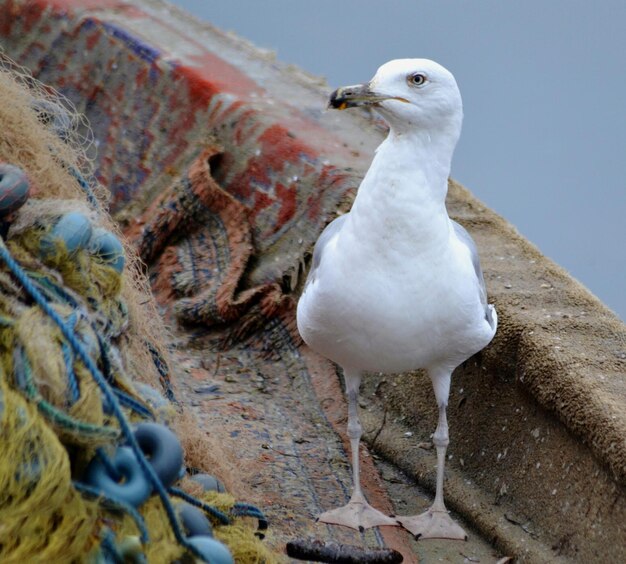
{"type": "Point", "coordinates": [129, 486]}
{"type": "Point", "coordinates": [213, 551]}
{"type": "Point", "coordinates": [209, 482]}
{"type": "Point", "coordinates": [14, 189]}
{"type": "Point", "coordinates": [108, 248]}
{"type": "Point", "coordinates": [194, 520]}
{"type": "Point", "coordinates": [72, 231]}
{"type": "Point", "coordinates": [162, 449]}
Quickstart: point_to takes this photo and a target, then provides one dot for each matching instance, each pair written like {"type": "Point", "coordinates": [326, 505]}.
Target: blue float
{"type": "Point", "coordinates": [194, 520]}
{"type": "Point", "coordinates": [108, 248]}
{"type": "Point", "coordinates": [72, 231]}
{"type": "Point", "coordinates": [209, 483]}
{"type": "Point", "coordinates": [162, 449]}
{"type": "Point", "coordinates": [212, 550]}
{"type": "Point", "coordinates": [14, 188]}
{"type": "Point", "coordinates": [129, 486]}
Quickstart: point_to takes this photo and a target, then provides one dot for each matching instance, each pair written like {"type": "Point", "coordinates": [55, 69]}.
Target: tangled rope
{"type": "Point", "coordinates": [76, 320]}
{"type": "Point", "coordinates": [114, 399]}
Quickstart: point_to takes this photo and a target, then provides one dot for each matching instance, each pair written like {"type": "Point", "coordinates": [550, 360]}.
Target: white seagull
{"type": "Point", "coordinates": [395, 284]}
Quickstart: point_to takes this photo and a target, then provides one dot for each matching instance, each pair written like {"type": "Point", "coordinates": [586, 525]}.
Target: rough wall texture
{"type": "Point", "coordinates": [538, 423]}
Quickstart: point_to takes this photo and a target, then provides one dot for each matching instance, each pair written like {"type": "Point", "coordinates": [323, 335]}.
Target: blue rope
{"type": "Point", "coordinates": [212, 511]}
{"type": "Point", "coordinates": [144, 535]}
{"type": "Point", "coordinates": [109, 549]}
{"type": "Point", "coordinates": [68, 357]}
{"type": "Point", "coordinates": [130, 402]}
{"type": "Point", "coordinates": [106, 462]}
{"type": "Point", "coordinates": [24, 380]}
{"type": "Point", "coordinates": [57, 293]}
{"type": "Point", "coordinates": [246, 506]}
{"type": "Point", "coordinates": [80, 351]}
{"type": "Point", "coordinates": [104, 357]}
{"type": "Point", "coordinates": [124, 399]}
{"type": "Point", "coordinates": [164, 372]}
{"type": "Point", "coordinates": [85, 186]}
{"type": "Point", "coordinates": [247, 510]}
{"type": "Point", "coordinates": [51, 289]}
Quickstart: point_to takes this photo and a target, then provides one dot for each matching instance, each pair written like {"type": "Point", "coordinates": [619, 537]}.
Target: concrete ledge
{"type": "Point", "coordinates": [540, 411]}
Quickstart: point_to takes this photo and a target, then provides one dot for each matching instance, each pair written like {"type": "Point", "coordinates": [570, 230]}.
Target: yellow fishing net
{"type": "Point", "coordinates": [42, 517]}
{"type": "Point", "coordinates": [51, 423]}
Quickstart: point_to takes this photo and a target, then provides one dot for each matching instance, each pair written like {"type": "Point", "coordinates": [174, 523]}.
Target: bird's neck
{"type": "Point", "coordinates": [405, 188]}
{"type": "Point", "coordinates": [422, 157]}
{"type": "Point", "coordinates": [413, 166]}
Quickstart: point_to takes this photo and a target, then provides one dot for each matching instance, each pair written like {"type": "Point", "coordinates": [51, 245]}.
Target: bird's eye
{"type": "Point", "coordinates": [417, 79]}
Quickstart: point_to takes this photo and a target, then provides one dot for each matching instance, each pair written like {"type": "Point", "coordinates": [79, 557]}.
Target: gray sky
{"type": "Point", "coordinates": [544, 90]}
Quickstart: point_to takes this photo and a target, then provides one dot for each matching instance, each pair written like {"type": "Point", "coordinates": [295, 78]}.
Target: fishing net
{"type": "Point", "coordinates": [82, 357]}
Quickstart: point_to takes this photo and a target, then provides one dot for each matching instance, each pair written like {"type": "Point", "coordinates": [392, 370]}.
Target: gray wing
{"type": "Point", "coordinates": [329, 232]}
{"type": "Point", "coordinates": [467, 240]}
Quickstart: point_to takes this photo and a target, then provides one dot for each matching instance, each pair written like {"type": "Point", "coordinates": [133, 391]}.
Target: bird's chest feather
{"type": "Point", "coordinates": [392, 280]}
{"type": "Point", "coordinates": [383, 273]}
{"type": "Point", "coordinates": [410, 286]}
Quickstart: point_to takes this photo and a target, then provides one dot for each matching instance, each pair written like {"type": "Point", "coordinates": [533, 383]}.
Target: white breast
{"type": "Point", "coordinates": [395, 290]}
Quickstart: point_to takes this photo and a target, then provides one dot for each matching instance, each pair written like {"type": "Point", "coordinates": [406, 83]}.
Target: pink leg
{"type": "Point", "coordinates": [357, 514]}
{"type": "Point", "coordinates": [436, 523]}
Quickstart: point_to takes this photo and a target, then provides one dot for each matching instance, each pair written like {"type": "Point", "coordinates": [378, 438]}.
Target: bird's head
{"type": "Point", "coordinates": [409, 94]}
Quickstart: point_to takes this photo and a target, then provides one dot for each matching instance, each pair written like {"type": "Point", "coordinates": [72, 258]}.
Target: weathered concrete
{"type": "Point", "coordinates": [538, 425]}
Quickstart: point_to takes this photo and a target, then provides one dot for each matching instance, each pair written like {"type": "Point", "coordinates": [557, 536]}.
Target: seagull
{"type": "Point", "coordinates": [396, 285]}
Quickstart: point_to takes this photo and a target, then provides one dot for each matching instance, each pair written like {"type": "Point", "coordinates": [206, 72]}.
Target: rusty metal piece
{"type": "Point", "coordinates": [334, 553]}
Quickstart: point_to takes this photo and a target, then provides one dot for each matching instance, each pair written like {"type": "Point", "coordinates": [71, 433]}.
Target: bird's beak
{"type": "Point", "coordinates": [357, 95]}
